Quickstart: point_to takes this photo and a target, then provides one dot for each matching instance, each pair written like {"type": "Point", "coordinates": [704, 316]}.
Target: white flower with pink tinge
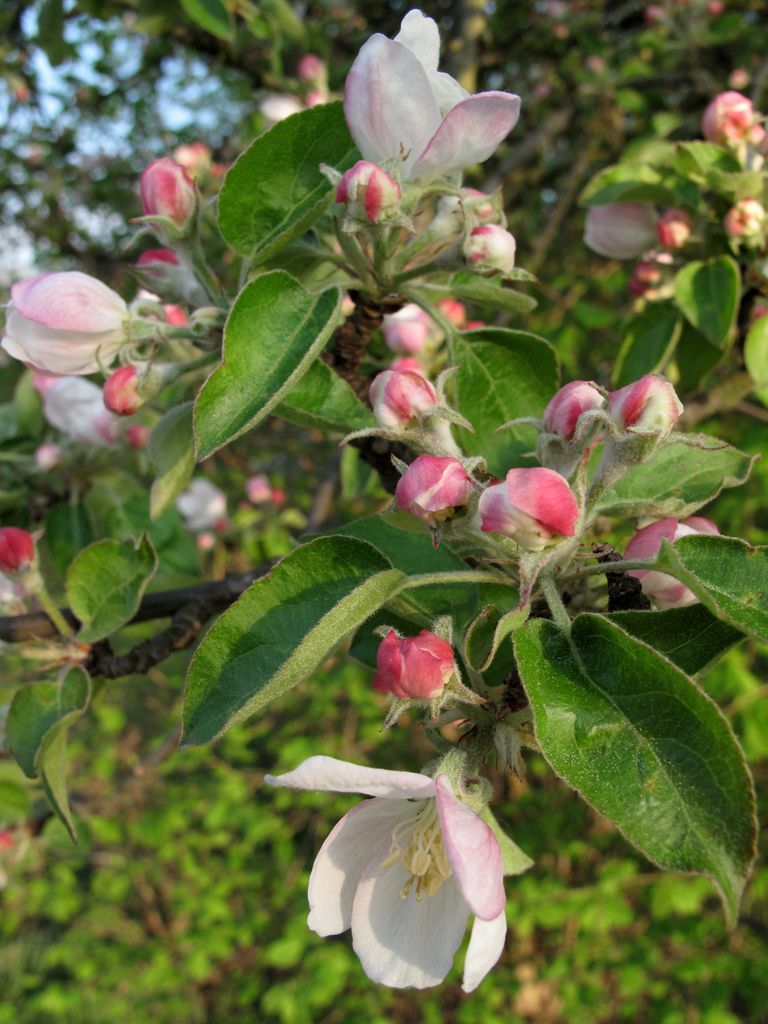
{"type": "Point", "coordinates": [404, 871]}
{"type": "Point", "coordinates": [400, 108]}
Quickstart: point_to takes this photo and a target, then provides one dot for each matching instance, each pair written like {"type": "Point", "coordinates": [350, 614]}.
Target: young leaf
{"type": "Point", "coordinates": [677, 481]}
{"type": "Point", "coordinates": [727, 575]}
{"type": "Point", "coordinates": [105, 584]}
{"type": "Point", "coordinates": [690, 637]}
{"type": "Point", "coordinates": [644, 746]}
{"type": "Point", "coordinates": [707, 294]}
{"type": "Point", "coordinates": [276, 189]}
{"type": "Point", "coordinates": [322, 400]}
{"type": "Point", "coordinates": [627, 183]}
{"type": "Point", "coordinates": [514, 861]}
{"type": "Point", "coordinates": [172, 454]}
{"type": "Point", "coordinates": [756, 352]}
{"type": "Point", "coordinates": [38, 720]}
{"type": "Point", "coordinates": [273, 333]}
{"type": "Point", "coordinates": [502, 375]}
{"type": "Point", "coordinates": [649, 341]}
{"type": "Point", "coordinates": [281, 629]}
{"type": "Point", "coordinates": [210, 15]}
{"type": "Point", "coordinates": [486, 291]}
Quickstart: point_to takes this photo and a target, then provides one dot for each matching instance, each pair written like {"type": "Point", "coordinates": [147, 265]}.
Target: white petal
{"type": "Point", "coordinates": [422, 37]}
{"type": "Point", "coordinates": [486, 944]}
{"type": "Point", "coordinates": [344, 856]}
{"type": "Point", "coordinates": [405, 943]}
{"type": "Point", "coordinates": [70, 301]}
{"type": "Point", "coordinates": [469, 134]}
{"type": "Point", "coordinates": [447, 91]}
{"type": "Point", "coordinates": [59, 351]}
{"type": "Point", "coordinates": [388, 102]}
{"type": "Point", "coordinates": [473, 853]}
{"type": "Point", "coordinates": [330, 775]}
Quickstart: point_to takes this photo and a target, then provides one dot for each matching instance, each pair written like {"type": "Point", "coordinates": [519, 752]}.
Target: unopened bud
{"type": "Point", "coordinates": [432, 488]}
{"type": "Point", "coordinates": [399, 397]}
{"type": "Point", "coordinates": [137, 436]}
{"type": "Point", "coordinates": [408, 330]}
{"type": "Point", "coordinates": [534, 507]}
{"type": "Point", "coordinates": [569, 404]}
{"type": "Point", "coordinates": [258, 489]}
{"type": "Point", "coordinates": [454, 311]}
{"type": "Point", "coordinates": [311, 68]}
{"type": "Point", "coordinates": [647, 406]}
{"type": "Point", "coordinates": [413, 667]}
{"type": "Point", "coordinates": [121, 392]}
{"type": "Point", "coordinates": [728, 118]}
{"type": "Point", "coordinates": [167, 191]}
{"type": "Point", "coordinates": [666, 591]}
{"type": "Point", "coordinates": [17, 549]}
{"type": "Point", "coordinates": [369, 193]}
{"type": "Point", "coordinates": [482, 208]}
{"type": "Point", "coordinates": [673, 228]}
{"type": "Point", "coordinates": [490, 249]}
{"type": "Point", "coordinates": [746, 221]}
{"type": "Point", "coordinates": [194, 157]}
{"type": "Point", "coordinates": [620, 231]}
{"type": "Point", "coordinates": [48, 455]}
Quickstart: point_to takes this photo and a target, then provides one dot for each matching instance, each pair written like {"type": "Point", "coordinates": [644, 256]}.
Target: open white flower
{"type": "Point", "coordinates": [404, 871]}
{"type": "Point", "coordinates": [400, 108]}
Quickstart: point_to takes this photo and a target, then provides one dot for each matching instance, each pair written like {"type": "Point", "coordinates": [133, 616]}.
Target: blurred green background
{"type": "Point", "coordinates": [185, 900]}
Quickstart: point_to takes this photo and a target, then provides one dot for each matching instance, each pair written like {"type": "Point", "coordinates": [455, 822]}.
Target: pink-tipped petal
{"type": "Point", "coordinates": [385, 119]}
{"type": "Point", "coordinates": [546, 496]}
{"type": "Point", "coordinates": [331, 775]}
{"type": "Point", "coordinates": [469, 134]}
{"type": "Point", "coordinates": [69, 301]}
{"type": "Point", "coordinates": [344, 856]}
{"type": "Point", "coordinates": [486, 944]}
{"type": "Point", "coordinates": [473, 853]}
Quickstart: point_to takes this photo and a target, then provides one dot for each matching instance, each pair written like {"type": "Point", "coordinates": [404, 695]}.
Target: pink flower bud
{"type": "Point", "coordinates": [258, 489]}
{"type": "Point", "coordinates": [407, 364]}
{"type": "Point", "coordinates": [399, 397]}
{"type": "Point", "coordinates": [311, 68]}
{"type": "Point", "coordinates": [653, 14]}
{"type": "Point", "coordinates": [6, 840]}
{"type": "Point", "coordinates": [563, 412]}
{"type": "Point", "coordinates": [649, 405]}
{"type": "Point", "coordinates": [205, 541]}
{"type": "Point", "coordinates": [137, 436]}
{"type": "Point", "coordinates": [490, 249]}
{"type": "Point", "coordinates": [194, 157]}
{"type": "Point", "coordinates": [168, 191]}
{"type": "Point", "coordinates": [666, 591]}
{"type": "Point", "coordinates": [739, 78]}
{"type": "Point", "coordinates": [432, 487]}
{"type": "Point", "coordinates": [276, 108]}
{"type": "Point", "coordinates": [48, 455]}
{"type": "Point", "coordinates": [479, 206]}
{"type": "Point", "coordinates": [417, 667]}
{"type": "Point", "coordinates": [728, 118]}
{"type": "Point", "coordinates": [121, 392]}
{"type": "Point", "coordinates": [673, 228]}
{"type": "Point", "coordinates": [645, 276]}
{"type": "Point", "coordinates": [535, 507]}
{"type": "Point", "coordinates": [150, 259]}
{"type": "Point", "coordinates": [316, 98]}
{"type": "Point", "coordinates": [715, 7]}
{"type": "Point", "coordinates": [472, 325]}
{"type": "Point", "coordinates": [454, 311]}
{"type": "Point", "coordinates": [65, 323]}
{"type": "Point", "coordinates": [278, 496]}
{"type": "Point", "coordinates": [620, 231]}
{"type": "Point", "coordinates": [17, 549]}
{"type": "Point", "coordinates": [369, 193]}
{"type": "Point", "coordinates": [407, 330]}
{"type": "Point", "coordinates": [746, 221]}
{"type": "Point", "coordinates": [175, 315]}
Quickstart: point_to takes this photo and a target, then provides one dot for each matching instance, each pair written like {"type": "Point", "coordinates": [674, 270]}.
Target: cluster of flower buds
{"type": "Point", "coordinates": [729, 118]}
{"type": "Point", "coordinates": [674, 228]}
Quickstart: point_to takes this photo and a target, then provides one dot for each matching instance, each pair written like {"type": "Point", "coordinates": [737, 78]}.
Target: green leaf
{"type": "Point", "coordinates": [211, 15]}
{"type": "Point", "coordinates": [695, 357]}
{"type": "Point", "coordinates": [692, 638]}
{"type": "Point", "coordinates": [281, 629]}
{"type": "Point", "coordinates": [649, 341]}
{"type": "Point", "coordinates": [274, 331]}
{"type": "Point", "coordinates": [707, 294]}
{"type": "Point", "coordinates": [727, 575]}
{"type": "Point", "coordinates": [486, 291]}
{"type": "Point", "coordinates": [736, 185]}
{"type": "Point", "coordinates": [172, 454]}
{"type": "Point", "coordinates": [756, 352]}
{"type": "Point", "coordinates": [67, 530]}
{"type": "Point", "coordinates": [677, 481]}
{"type": "Point", "coordinates": [625, 183]}
{"type": "Point", "coordinates": [513, 860]}
{"type": "Point", "coordinates": [696, 160]}
{"type": "Point", "coordinates": [50, 32]}
{"type": "Point", "coordinates": [38, 720]}
{"type": "Point", "coordinates": [644, 746]}
{"type": "Point", "coordinates": [502, 375]}
{"type": "Point", "coordinates": [322, 400]}
{"type": "Point", "coordinates": [488, 631]}
{"type": "Point", "coordinates": [105, 584]}
{"type": "Point", "coordinates": [276, 189]}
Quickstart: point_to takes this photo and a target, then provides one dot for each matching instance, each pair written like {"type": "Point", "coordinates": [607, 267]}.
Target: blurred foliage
{"type": "Point", "coordinates": [185, 899]}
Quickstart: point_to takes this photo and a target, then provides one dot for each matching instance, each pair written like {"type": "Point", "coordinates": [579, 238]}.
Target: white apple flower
{"type": "Point", "coordinates": [75, 406]}
{"type": "Point", "coordinates": [400, 109]}
{"type": "Point", "coordinates": [404, 871]}
{"type": "Point", "coordinates": [202, 505]}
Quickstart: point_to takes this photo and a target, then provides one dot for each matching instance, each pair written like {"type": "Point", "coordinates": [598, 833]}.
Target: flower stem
{"type": "Point", "coordinates": [53, 613]}
{"type": "Point", "coordinates": [555, 602]}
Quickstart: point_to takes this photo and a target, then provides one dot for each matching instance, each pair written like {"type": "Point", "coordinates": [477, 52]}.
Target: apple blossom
{"type": "Point", "coordinates": [137, 435]}
{"type": "Point", "coordinates": [167, 191]}
{"type": "Point", "coordinates": [311, 68]}
{"type": "Point", "coordinates": [490, 249]}
{"type": "Point", "coordinates": [279, 106]}
{"type": "Point", "coordinates": [729, 117]}
{"type": "Point", "coordinates": [202, 505]}
{"type": "Point", "coordinates": [408, 330]}
{"type": "Point", "coordinates": [404, 871]}
{"type": "Point", "coordinates": [401, 109]}
{"type": "Point", "coordinates": [620, 231]}
{"type": "Point", "coordinates": [48, 455]}
{"type": "Point", "coordinates": [673, 228]}
{"type": "Point", "coordinates": [646, 275]}
{"type": "Point", "coordinates": [481, 207]}
{"type": "Point", "coordinates": [454, 311]}
{"type": "Point", "coordinates": [17, 549]}
{"type": "Point", "coordinates": [258, 489]}
{"type": "Point", "coordinates": [407, 364]}
{"type": "Point", "coordinates": [417, 667]}
{"type": "Point", "coordinates": [649, 405]}
{"type": "Point", "coordinates": [432, 487]}
{"type": "Point", "coordinates": [194, 157]}
{"type": "Point", "coordinates": [369, 193]}
{"type": "Point", "coordinates": [121, 392]}
{"type": "Point", "coordinates": [666, 591]}
{"type": "Point", "coordinates": [76, 407]}
{"type": "Point", "coordinates": [566, 408]}
{"type": "Point", "coordinates": [65, 322]}
{"type": "Point", "coordinates": [398, 397]}
{"type": "Point", "coordinates": [746, 221]}
{"type": "Point", "coordinates": [535, 507]}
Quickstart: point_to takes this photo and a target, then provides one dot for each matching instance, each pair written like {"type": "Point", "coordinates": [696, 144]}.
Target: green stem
{"type": "Point", "coordinates": [53, 613]}
{"type": "Point", "coordinates": [555, 602]}
{"type": "Point", "coordinates": [604, 567]}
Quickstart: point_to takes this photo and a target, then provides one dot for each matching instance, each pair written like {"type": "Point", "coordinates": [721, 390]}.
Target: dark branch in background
{"type": "Point", "coordinates": [352, 338]}
{"type": "Point", "coordinates": [625, 593]}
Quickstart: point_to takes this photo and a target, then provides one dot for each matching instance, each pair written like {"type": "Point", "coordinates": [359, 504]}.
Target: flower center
{"type": "Point", "coordinates": [418, 844]}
